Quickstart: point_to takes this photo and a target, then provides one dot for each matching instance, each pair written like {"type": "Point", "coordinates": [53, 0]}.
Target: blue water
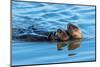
{"type": "Point", "coordinates": [50, 17]}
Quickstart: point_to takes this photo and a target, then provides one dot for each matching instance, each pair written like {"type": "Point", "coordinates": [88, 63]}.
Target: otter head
{"type": "Point", "coordinates": [62, 35]}
{"type": "Point", "coordinates": [74, 31]}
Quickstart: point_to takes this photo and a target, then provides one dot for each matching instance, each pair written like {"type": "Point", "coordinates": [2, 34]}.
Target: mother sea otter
{"type": "Point", "coordinates": [72, 32]}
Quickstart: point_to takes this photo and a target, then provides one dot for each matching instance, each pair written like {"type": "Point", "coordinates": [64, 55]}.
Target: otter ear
{"type": "Point", "coordinates": [72, 26]}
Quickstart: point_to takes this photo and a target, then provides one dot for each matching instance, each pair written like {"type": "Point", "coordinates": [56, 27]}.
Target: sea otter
{"type": "Point", "coordinates": [62, 35]}
{"type": "Point", "coordinates": [72, 32]}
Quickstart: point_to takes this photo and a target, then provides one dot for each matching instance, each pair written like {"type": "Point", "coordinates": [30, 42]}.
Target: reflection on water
{"type": "Point", "coordinates": [52, 52]}
{"type": "Point", "coordinates": [71, 45]}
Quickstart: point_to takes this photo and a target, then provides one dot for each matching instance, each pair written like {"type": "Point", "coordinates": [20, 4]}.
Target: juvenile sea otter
{"type": "Point", "coordinates": [73, 32]}
{"type": "Point", "coordinates": [62, 35]}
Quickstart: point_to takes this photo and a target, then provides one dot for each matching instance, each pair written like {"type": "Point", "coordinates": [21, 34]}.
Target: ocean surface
{"type": "Point", "coordinates": [30, 16]}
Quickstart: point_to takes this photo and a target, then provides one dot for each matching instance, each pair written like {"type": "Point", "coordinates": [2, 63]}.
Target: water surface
{"type": "Point", "coordinates": [50, 17]}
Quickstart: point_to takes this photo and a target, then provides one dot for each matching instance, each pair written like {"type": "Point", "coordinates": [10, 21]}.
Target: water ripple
{"type": "Point", "coordinates": [50, 17]}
